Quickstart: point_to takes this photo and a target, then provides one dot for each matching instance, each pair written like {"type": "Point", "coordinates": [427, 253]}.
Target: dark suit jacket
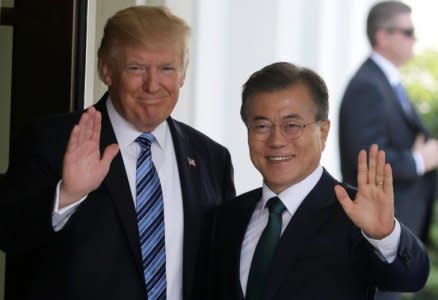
{"type": "Point", "coordinates": [371, 113]}
{"type": "Point", "coordinates": [321, 254]}
{"type": "Point", "coordinates": [97, 254]}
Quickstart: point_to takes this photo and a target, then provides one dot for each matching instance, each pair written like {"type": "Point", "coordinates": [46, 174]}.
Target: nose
{"type": "Point", "coordinates": [277, 138]}
{"type": "Point", "coordinates": [151, 80]}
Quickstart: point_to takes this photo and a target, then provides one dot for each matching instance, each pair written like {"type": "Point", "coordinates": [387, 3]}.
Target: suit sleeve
{"type": "Point", "coordinates": [410, 269]}
{"type": "Point", "coordinates": [363, 121]}
{"type": "Point", "coordinates": [229, 191]}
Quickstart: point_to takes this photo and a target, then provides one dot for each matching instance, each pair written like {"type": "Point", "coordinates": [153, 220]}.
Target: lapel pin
{"type": "Point", "coordinates": [191, 162]}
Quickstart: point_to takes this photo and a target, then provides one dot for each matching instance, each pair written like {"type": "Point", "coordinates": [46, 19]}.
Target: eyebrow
{"type": "Point", "coordinates": [287, 117]}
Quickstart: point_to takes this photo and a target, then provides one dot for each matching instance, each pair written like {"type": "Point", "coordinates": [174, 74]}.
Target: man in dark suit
{"type": "Point", "coordinates": [376, 110]}
{"type": "Point", "coordinates": [72, 223]}
{"type": "Point", "coordinates": [372, 112]}
{"type": "Point", "coordinates": [291, 239]}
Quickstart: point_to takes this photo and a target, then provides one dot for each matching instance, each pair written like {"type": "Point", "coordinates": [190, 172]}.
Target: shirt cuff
{"type": "Point", "coordinates": [419, 163]}
{"type": "Point", "coordinates": [61, 216]}
{"type": "Point", "coordinates": [387, 247]}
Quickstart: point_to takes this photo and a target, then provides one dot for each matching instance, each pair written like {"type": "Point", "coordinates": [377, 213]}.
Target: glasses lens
{"type": "Point", "coordinates": [407, 32]}
{"type": "Point", "coordinates": [289, 130]}
{"type": "Point", "coordinates": [292, 130]}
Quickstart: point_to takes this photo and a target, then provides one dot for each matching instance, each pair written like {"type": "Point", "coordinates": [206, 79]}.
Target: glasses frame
{"type": "Point", "coordinates": [265, 136]}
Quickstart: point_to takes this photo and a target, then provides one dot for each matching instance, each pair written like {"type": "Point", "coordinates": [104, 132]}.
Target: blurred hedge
{"type": "Point", "coordinates": [421, 80]}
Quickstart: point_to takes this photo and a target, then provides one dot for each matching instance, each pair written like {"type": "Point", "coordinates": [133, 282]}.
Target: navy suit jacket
{"type": "Point", "coordinates": [371, 113]}
{"type": "Point", "coordinates": [321, 253]}
{"type": "Point", "coordinates": [97, 254]}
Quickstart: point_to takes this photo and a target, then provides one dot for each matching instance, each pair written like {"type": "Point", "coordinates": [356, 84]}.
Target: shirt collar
{"type": "Point", "coordinates": [389, 69]}
{"type": "Point", "coordinates": [295, 194]}
{"type": "Point", "coordinates": [126, 133]}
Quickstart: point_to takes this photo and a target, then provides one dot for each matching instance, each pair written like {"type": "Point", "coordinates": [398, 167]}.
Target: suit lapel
{"type": "Point", "coordinates": [307, 220]}
{"type": "Point", "coordinates": [116, 182]}
{"type": "Point", "coordinates": [239, 219]}
{"type": "Point", "coordinates": [413, 120]}
{"type": "Point", "coordinates": [189, 163]}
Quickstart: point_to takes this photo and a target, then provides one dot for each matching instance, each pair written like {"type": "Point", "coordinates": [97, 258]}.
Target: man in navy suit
{"type": "Point", "coordinates": [375, 109]}
{"type": "Point", "coordinates": [373, 112]}
{"type": "Point", "coordinates": [68, 206]}
{"type": "Point", "coordinates": [301, 236]}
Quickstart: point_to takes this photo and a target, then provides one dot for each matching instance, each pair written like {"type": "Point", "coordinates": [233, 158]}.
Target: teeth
{"type": "Point", "coordinates": [278, 158]}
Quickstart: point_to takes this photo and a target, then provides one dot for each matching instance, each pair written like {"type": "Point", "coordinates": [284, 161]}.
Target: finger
{"type": "Point", "coordinates": [420, 139]}
{"type": "Point", "coordinates": [380, 169]}
{"type": "Point", "coordinates": [97, 127]}
{"type": "Point", "coordinates": [343, 198]}
{"type": "Point", "coordinates": [388, 187]}
{"type": "Point", "coordinates": [91, 111]}
{"type": "Point", "coordinates": [84, 122]}
{"type": "Point", "coordinates": [419, 142]}
{"type": "Point", "coordinates": [362, 168]}
{"type": "Point", "coordinates": [372, 162]}
{"type": "Point", "coordinates": [73, 141]}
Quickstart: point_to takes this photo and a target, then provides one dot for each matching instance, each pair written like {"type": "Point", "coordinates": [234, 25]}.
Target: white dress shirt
{"type": "Point", "coordinates": [164, 159]}
{"type": "Point", "coordinates": [393, 75]}
{"type": "Point", "coordinates": [292, 198]}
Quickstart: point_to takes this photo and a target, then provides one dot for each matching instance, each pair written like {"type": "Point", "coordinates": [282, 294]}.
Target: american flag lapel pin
{"type": "Point", "coordinates": [191, 162]}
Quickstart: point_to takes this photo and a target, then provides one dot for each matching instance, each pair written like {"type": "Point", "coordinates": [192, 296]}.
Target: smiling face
{"type": "Point", "coordinates": [282, 161]}
{"type": "Point", "coordinates": [144, 83]}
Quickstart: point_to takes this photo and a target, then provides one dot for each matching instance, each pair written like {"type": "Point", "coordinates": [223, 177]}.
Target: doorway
{"type": "Point", "coordinates": [42, 54]}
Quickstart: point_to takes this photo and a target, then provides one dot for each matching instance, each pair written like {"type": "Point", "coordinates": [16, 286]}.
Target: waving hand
{"type": "Point", "coordinates": [373, 207]}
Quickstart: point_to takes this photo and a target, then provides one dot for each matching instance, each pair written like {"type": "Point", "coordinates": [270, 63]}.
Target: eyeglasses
{"type": "Point", "coordinates": [262, 130]}
{"type": "Point", "coordinates": [407, 32]}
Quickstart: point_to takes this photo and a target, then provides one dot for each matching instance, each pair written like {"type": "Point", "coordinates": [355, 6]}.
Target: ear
{"type": "Point", "coordinates": [185, 63]}
{"type": "Point", "coordinates": [324, 131]}
{"type": "Point", "coordinates": [105, 72]}
{"type": "Point", "coordinates": [381, 38]}
{"type": "Point", "coordinates": [183, 75]}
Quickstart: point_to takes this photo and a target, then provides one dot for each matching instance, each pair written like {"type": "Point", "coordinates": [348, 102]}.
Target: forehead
{"type": "Point", "coordinates": [158, 54]}
{"type": "Point", "coordinates": [403, 20]}
{"type": "Point", "coordinates": [292, 102]}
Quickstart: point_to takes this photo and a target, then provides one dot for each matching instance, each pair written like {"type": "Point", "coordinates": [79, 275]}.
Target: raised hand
{"type": "Point", "coordinates": [83, 168]}
{"type": "Point", "coordinates": [373, 208]}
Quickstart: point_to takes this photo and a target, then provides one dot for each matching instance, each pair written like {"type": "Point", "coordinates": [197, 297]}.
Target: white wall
{"type": "Point", "coordinates": [233, 38]}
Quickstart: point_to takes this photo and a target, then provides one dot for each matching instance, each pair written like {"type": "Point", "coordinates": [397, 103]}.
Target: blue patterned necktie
{"type": "Point", "coordinates": [264, 250]}
{"type": "Point", "coordinates": [150, 220]}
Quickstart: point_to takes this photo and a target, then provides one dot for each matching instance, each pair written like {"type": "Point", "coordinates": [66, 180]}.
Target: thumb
{"type": "Point", "coordinates": [109, 153]}
{"type": "Point", "coordinates": [419, 141]}
{"type": "Point", "coordinates": [343, 198]}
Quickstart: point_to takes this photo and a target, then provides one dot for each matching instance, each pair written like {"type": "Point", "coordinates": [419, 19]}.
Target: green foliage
{"type": "Point", "coordinates": [421, 79]}
{"type": "Point", "coordinates": [421, 75]}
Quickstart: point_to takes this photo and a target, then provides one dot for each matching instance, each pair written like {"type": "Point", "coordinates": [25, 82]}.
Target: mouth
{"type": "Point", "coordinates": [279, 158]}
{"type": "Point", "coordinates": [151, 99]}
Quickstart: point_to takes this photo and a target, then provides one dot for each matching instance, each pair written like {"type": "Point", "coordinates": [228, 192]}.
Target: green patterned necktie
{"type": "Point", "coordinates": [265, 250]}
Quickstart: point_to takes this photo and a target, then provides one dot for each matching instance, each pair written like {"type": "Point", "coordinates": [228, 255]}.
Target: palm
{"type": "Point", "coordinates": [373, 207]}
{"type": "Point", "coordinates": [84, 169]}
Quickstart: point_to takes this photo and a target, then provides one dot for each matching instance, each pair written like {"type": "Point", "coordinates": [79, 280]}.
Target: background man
{"type": "Point", "coordinates": [291, 239]}
{"type": "Point", "coordinates": [116, 206]}
{"type": "Point", "coordinates": [375, 109]}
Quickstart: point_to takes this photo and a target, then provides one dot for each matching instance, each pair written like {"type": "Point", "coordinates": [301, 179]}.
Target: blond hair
{"type": "Point", "coordinates": [150, 27]}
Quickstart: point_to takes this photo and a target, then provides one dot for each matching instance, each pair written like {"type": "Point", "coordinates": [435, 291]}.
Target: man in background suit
{"type": "Point", "coordinates": [375, 110]}
{"type": "Point", "coordinates": [70, 200]}
{"type": "Point", "coordinates": [291, 239]}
